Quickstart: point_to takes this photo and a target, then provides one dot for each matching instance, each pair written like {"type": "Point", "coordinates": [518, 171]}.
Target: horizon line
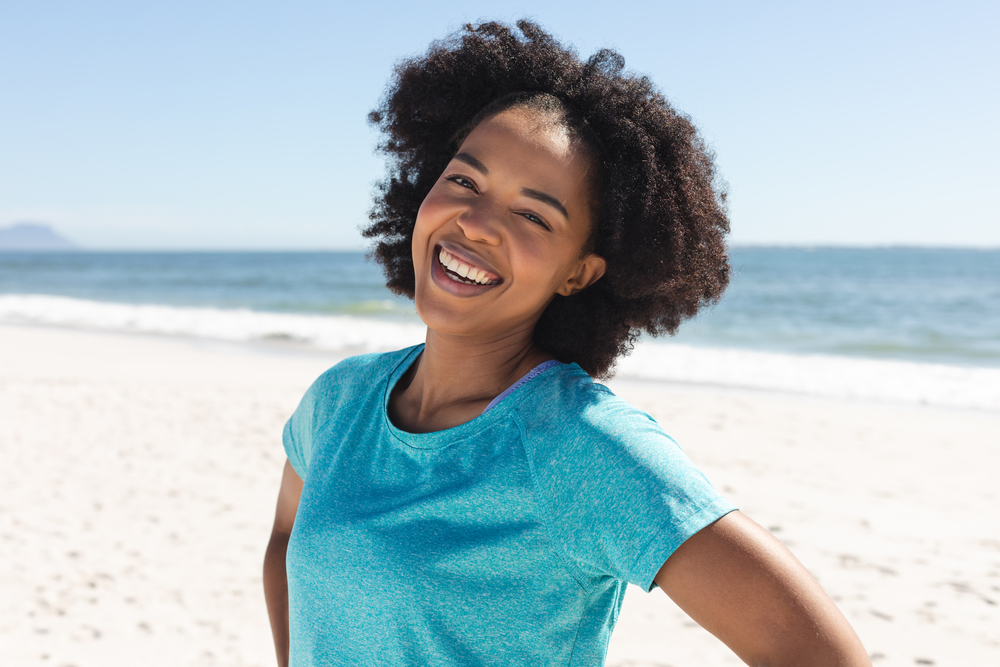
{"type": "Point", "coordinates": [354, 249]}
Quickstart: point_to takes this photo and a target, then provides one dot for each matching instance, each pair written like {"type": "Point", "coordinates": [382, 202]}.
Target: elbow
{"type": "Point", "coordinates": [274, 555]}
{"type": "Point", "coordinates": [817, 651]}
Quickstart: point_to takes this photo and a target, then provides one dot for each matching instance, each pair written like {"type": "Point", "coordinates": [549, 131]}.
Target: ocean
{"type": "Point", "coordinates": [917, 325]}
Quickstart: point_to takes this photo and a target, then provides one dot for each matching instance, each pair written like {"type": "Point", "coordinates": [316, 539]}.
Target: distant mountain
{"type": "Point", "coordinates": [32, 236]}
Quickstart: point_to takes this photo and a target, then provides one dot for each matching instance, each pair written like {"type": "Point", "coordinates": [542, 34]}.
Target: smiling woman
{"type": "Point", "coordinates": [656, 205]}
{"type": "Point", "coordinates": [479, 499]}
{"type": "Point", "coordinates": [514, 203]}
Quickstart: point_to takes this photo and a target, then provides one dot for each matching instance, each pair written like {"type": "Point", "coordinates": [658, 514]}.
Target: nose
{"type": "Point", "coordinates": [481, 222]}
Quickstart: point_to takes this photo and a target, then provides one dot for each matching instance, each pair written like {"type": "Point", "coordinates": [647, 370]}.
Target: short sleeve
{"type": "Point", "coordinates": [331, 394]}
{"type": "Point", "coordinates": [310, 415]}
{"type": "Point", "coordinates": [297, 436]}
{"type": "Point", "coordinates": [620, 495]}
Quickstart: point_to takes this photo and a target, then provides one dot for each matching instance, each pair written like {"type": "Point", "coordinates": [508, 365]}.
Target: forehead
{"type": "Point", "coordinates": [530, 128]}
{"type": "Point", "coordinates": [533, 149]}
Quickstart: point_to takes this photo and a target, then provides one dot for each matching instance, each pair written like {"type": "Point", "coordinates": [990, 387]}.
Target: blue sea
{"type": "Point", "coordinates": [909, 324]}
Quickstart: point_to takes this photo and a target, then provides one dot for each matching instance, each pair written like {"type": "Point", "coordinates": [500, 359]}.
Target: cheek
{"type": "Point", "coordinates": [540, 259]}
{"type": "Point", "coordinates": [422, 214]}
{"type": "Point", "coordinates": [532, 255]}
{"type": "Point", "coordinates": [422, 226]}
{"type": "Point", "coordinates": [433, 209]}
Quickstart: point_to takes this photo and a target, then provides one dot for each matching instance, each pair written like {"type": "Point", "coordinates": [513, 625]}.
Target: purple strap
{"type": "Point", "coordinates": [530, 374]}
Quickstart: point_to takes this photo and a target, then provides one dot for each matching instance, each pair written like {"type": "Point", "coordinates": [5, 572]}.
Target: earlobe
{"type": "Point", "coordinates": [588, 272]}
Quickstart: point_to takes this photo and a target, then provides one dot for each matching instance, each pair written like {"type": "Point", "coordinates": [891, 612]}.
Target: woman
{"type": "Point", "coordinates": [478, 499]}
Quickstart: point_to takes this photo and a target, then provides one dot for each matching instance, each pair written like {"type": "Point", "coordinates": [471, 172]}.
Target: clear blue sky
{"type": "Point", "coordinates": [242, 124]}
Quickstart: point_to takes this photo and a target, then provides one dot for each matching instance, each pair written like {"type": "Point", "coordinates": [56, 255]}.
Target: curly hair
{"type": "Point", "coordinates": [660, 220]}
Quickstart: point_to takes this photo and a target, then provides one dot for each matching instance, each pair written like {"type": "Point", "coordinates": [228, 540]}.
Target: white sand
{"type": "Point", "coordinates": [140, 475]}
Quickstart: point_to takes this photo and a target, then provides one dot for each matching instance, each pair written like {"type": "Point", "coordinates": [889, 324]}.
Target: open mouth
{"type": "Point", "coordinates": [462, 272]}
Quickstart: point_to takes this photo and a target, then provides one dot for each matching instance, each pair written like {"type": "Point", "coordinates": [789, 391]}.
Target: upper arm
{"type": "Point", "coordinates": [741, 584]}
{"type": "Point", "coordinates": [288, 501]}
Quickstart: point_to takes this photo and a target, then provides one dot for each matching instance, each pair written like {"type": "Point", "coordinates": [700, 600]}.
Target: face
{"type": "Point", "coordinates": [503, 229]}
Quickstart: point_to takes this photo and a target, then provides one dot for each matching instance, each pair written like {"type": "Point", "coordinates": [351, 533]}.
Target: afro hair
{"type": "Point", "coordinates": [660, 210]}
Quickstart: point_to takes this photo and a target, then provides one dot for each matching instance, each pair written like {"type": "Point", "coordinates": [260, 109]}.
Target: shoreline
{"type": "Point", "coordinates": [142, 474]}
{"type": "Point", "coordinates": [662, 361]}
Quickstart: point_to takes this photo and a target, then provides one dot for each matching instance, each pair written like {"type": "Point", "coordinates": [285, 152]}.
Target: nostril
{"type": "Point", "coordinates": [481, 226]}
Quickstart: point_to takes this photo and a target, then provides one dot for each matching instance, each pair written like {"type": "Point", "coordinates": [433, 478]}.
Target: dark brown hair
{"type": "Point", "coordinates": [660, 211]}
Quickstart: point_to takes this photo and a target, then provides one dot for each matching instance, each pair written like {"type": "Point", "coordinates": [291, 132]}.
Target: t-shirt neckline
{"type": "Point", "coordinates": [448, 436]}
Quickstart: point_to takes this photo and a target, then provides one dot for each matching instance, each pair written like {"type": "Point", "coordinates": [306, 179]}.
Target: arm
{"type": "Point", "coordinates": [275, 580]}
{"type": "Point", "coordinates": [741, 584]}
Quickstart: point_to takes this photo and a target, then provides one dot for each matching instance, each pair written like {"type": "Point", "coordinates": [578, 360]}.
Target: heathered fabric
{"type": "Point", "coordinates": [527, 376]}
{"type": "Point", "coordinates": [507, 540]}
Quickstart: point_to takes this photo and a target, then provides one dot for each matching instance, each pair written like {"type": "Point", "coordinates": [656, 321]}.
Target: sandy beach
{"type": "Point", "coordinates": [140, 478]}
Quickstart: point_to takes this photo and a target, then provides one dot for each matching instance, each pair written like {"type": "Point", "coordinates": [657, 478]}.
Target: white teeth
{"type": "Point", "coordinates": [471, 274]}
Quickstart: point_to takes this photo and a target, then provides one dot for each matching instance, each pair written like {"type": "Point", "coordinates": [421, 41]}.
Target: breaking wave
{"type": "Point", "coordinates": [817, 375]}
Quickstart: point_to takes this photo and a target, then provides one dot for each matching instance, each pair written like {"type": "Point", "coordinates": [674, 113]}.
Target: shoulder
{"type": "Point", "coordinates": [567, 401]}
{"type": "Point", "coordinates": [578, 432]}
{"type": "Point", "coordinates": [356, 376]}
{"type": "Point", "coordinates": [349, 381]}
{"type": "Point", "coordinates": [618, 493]}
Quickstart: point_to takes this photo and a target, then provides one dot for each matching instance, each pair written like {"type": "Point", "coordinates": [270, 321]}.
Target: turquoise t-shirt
{"type": "Point", "coordinates": [507, 540]}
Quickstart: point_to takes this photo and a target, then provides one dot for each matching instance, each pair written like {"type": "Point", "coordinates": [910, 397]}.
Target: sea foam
{"type": "Point", "coordinates": [328, 332]}
{"type": "Point", "coordinates": [817, 375]}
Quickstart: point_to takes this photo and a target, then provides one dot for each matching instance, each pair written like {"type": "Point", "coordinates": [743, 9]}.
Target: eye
{"type": "Point", "coordinates": [538, 221]}
{"type": "Point", "coordinates": [462, 181]}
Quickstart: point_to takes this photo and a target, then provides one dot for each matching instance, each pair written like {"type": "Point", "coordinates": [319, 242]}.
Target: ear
{"type": "Point", "coordinates": [588, 271]}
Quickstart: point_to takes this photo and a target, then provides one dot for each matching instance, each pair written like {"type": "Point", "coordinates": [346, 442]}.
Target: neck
{"type": "Point", "coordinates": [456, 377]}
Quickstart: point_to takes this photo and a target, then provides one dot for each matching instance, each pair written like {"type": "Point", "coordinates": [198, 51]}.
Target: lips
{"type": "Point", "coordinates": [461, 270]}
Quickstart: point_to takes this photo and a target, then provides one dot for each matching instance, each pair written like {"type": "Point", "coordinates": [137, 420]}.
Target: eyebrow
{"type": "Point", "coordinates": [546, 199]}
{"type": "Point", "coordinates": [527, 192]}
{"type": "Point", "coordinates": [472, 162]}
